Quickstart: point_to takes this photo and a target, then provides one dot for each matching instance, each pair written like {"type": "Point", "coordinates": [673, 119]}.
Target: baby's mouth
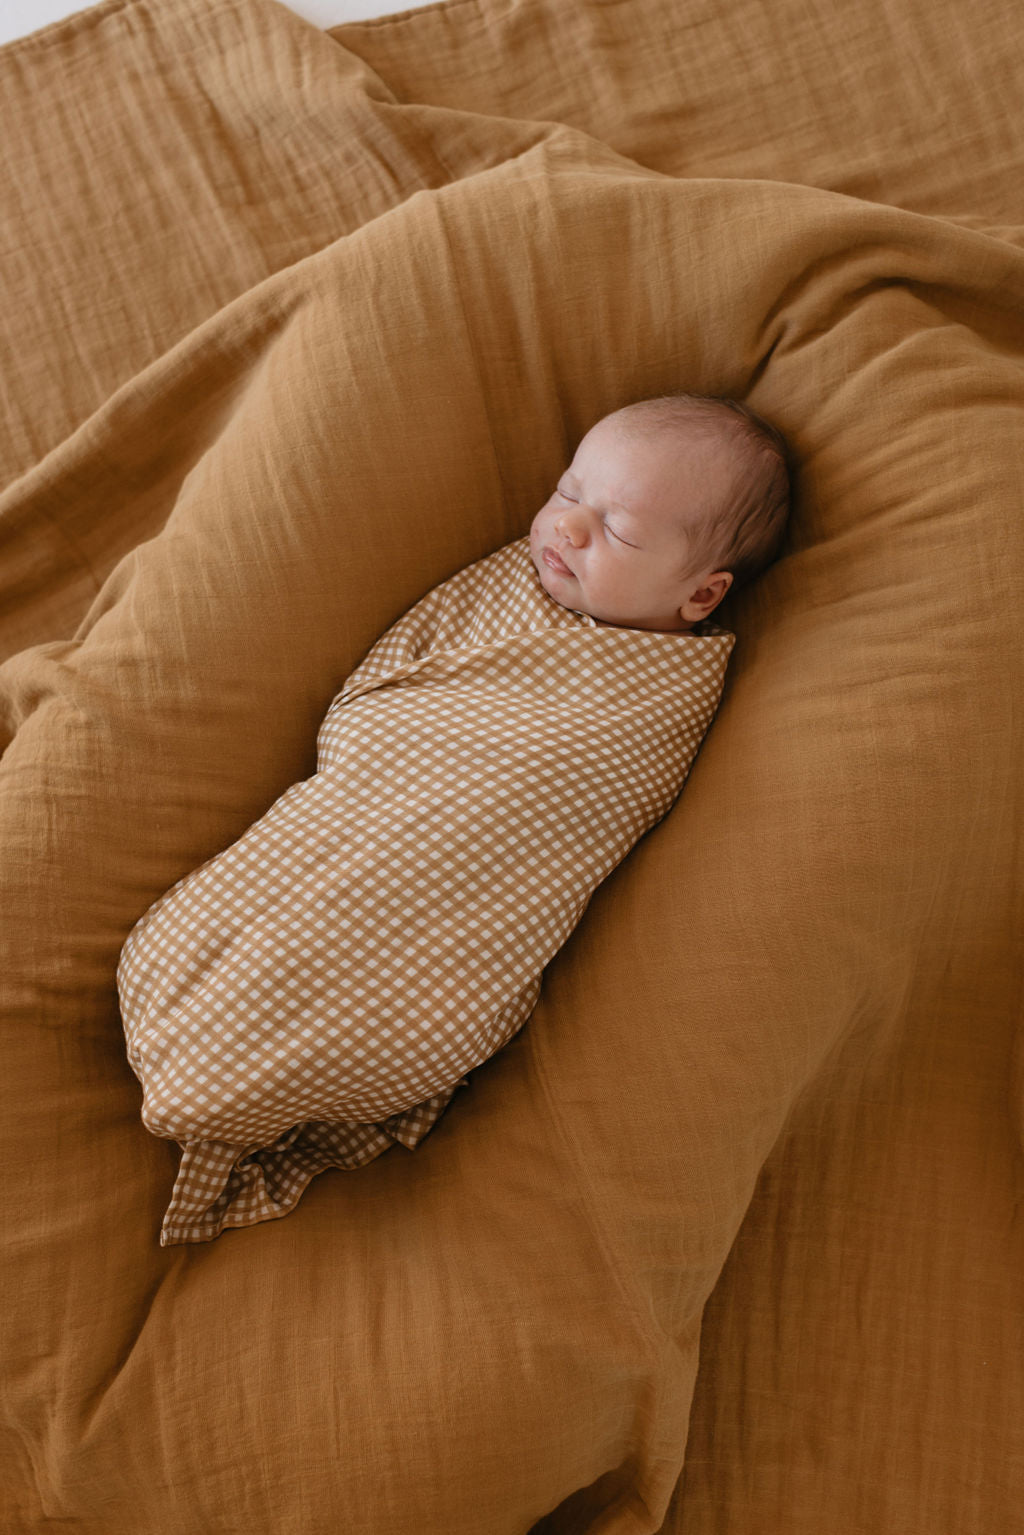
{"type": "Point", "coordinates": [558, 565]}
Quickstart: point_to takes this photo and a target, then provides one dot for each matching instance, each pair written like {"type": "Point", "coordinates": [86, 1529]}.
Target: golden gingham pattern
{"type": "Point", "coordinates": [319, 991]}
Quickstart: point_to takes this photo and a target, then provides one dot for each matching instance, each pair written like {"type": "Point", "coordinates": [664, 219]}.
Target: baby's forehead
{"type": "Point", "coordinates": [678, 458]}
{"type": "Point", "coordinates": [684, 442]}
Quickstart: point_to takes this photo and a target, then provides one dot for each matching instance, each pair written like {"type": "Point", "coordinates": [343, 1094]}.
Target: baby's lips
{"type": "Point", "coordinates": [558, 558]}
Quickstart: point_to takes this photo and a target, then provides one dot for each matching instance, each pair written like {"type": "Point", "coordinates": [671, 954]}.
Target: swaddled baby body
{"type": "Point", "coordinates": [319, 990]}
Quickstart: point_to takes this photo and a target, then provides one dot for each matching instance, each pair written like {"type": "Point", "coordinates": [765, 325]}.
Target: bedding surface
{"type": "Point", "coordinates": [728, 1236]}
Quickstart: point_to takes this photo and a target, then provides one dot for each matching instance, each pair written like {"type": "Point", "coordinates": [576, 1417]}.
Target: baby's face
{"type": "Point", "coordinates": [609, 540]}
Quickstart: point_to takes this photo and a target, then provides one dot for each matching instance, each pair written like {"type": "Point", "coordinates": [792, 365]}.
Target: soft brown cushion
{"type": "Point", "coordinates": [728, 1237]}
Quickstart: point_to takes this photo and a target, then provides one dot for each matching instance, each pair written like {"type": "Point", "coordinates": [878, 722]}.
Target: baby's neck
{"type": "Point", "coordinates": [685, 629]}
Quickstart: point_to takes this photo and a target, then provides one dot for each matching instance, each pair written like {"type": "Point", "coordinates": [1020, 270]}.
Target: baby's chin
{"type": "Point", "coordinates": [563, 589]}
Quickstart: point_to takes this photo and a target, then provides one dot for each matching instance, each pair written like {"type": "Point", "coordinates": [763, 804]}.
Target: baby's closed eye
{"type": "Point", "coordinates": [607, 524]}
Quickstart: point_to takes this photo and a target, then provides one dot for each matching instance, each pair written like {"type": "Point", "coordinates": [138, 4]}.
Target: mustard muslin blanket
{"type": "Point", "coordinates": [319, 990]}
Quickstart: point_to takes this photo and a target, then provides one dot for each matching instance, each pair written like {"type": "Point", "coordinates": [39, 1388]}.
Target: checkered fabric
{"type": "Point", "coordinates": [318, 991]}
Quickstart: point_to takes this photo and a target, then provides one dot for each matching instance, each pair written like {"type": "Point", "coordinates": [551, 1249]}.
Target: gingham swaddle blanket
{"type": "Point", "coordinates": [319, 990]}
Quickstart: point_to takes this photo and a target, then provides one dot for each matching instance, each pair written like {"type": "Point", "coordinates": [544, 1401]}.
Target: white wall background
{"type": "Point", "coordinates": [19, 17]}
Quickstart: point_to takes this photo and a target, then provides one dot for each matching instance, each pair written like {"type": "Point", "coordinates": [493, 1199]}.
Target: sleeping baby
{"type": "Point", "coordinates": [317, 992]}
{"type": "Point", "coordinates": [666, 504]}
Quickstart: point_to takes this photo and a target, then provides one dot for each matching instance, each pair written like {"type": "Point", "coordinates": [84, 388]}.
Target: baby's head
{"type": "Point", "coordinates": [667, 503]}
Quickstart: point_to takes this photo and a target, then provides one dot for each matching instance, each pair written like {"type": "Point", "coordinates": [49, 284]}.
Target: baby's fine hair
{"type": "Point", "coordinates": [745, 535]}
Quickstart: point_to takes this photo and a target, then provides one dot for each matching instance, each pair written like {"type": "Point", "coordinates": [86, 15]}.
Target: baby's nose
{"type": "Point", "coordinates": [567, 527]}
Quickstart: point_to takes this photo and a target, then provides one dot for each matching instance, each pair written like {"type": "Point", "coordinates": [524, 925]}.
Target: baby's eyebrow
{"type": "Point", "coordinates": [614, 505]}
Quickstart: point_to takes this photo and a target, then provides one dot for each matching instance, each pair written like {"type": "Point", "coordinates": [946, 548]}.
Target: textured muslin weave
{"type": "Point", "coordinates": [319, 990]}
